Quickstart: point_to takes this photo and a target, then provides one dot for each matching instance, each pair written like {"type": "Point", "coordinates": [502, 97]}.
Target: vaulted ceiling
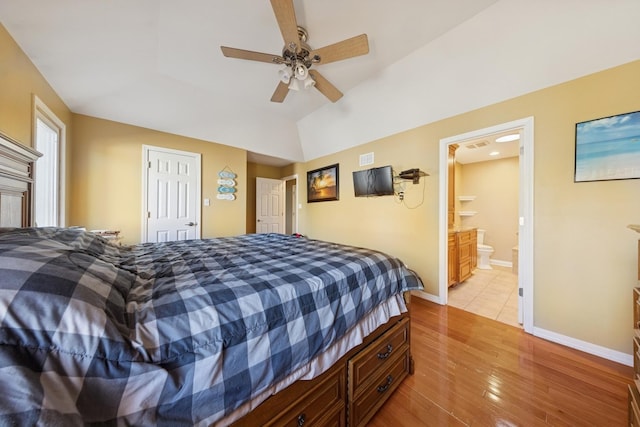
{"type": "Point", "coordinates": [158, 63]}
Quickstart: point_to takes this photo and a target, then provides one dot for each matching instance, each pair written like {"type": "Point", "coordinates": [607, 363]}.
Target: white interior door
{"type": "Point", "coordinates": [172, 194]}
{"type": "Point", "coordinates": [269, 205]}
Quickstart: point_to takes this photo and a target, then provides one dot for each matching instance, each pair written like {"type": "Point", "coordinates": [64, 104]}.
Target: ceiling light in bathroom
{"type": "Point", "coordinates": [494, 153]}
{"type": "Point", "coordinates": [508, 138]}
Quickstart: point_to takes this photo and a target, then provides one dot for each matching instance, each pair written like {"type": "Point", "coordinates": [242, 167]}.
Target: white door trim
{"type": "Point", "coordinates": [525, 236]}
{"type": "Point", "coordinates": [145, 186]}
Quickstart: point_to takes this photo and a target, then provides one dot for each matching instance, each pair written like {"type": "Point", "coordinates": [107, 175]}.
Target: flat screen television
{"type": "Point", "coordinates": [373, 182]}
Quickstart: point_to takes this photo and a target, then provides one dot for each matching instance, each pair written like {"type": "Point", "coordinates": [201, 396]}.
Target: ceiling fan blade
{"type": "Point", "coordinates": [326, 88]}
{"type": "Point", "coordinates": [355, 46]}
{"type": "Point", "coordinates": [232, 52]}
{"type": "Point", "coordinates": [286, 17]}
{"type": "Point", "coordinates": [280, 93]}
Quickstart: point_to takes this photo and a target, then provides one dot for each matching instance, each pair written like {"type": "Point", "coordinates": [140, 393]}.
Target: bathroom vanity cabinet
{"type": "Point", "coordinates": [463, 255]}
{"type": "Point", "coordinates": [462, 244]}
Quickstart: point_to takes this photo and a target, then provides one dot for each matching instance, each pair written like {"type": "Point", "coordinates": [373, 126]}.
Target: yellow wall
{"type": "Point", "coordinates": [584, 256]}
{"type": "Point", "coordinates": [384, 223]}
{"type": "Point", "coordinates": [495, 185]}
{"type": "Point", "coordinates": [19, 81]}
{"type": "Point", "coordinates": [107, 171]}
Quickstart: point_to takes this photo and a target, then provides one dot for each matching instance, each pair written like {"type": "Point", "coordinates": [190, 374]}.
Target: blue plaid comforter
{"type": "Point", "coordinates": [176, 333]}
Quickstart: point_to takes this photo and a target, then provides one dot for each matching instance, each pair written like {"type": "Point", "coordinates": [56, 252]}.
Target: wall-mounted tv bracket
{"type": "Point", "coordinates": [412, 175]}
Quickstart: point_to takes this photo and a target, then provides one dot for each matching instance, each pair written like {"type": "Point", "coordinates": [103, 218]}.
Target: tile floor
{"type": "Point", "coordinates": [489, 293]}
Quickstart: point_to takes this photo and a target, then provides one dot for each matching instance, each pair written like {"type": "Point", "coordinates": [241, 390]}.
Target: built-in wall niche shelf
{"type": "Point", "coordinates": [467, 213]}
{"type": "Point", "coordinates": [466, 198]}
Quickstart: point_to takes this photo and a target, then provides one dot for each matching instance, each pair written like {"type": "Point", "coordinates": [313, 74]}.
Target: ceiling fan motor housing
{"type": "Point", "coordinates": [291, 57]}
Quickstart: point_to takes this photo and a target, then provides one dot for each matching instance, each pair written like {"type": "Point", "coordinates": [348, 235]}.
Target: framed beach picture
{"type": "Point", "coordinates": [323, 184]}
{"type": "Point", "coordinates": [608, 148]}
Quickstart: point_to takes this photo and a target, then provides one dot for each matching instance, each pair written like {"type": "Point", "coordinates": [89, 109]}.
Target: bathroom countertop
{"type": "Point", "coordinates": [461, 229]}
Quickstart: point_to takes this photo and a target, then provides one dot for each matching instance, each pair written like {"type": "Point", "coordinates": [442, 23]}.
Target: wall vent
{"type": "Point", "coordinates": [366, 159]}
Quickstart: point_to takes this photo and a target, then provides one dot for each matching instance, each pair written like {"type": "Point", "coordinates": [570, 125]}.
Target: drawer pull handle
{"type": "Point", "coordinates": [301, 420]}
{"type": "Point", "coordinates": [385, 387]}
{"type": "Point", "coordinates": [387, 354]}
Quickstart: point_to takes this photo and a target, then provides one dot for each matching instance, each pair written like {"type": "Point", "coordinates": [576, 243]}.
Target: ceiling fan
{"type": "Point", "coordinates": [298, 57]}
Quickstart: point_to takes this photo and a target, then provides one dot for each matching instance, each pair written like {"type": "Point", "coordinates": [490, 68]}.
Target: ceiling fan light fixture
{"type": "Point", "coordinates": [309, 82]}
{"type": "Point", "coordinates": [294, 84]}
{"type": "Point", "coordinates": [285, 74]}
{"type": "Point", "coordinates": [301, 71]}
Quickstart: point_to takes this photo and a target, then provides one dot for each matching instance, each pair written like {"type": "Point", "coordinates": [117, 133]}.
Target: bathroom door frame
{"type": "Point", "coordinates": [525, 213]}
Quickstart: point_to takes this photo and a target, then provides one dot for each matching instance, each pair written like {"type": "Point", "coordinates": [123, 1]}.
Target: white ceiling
{"type": "Point", "coordinates": [158, 64]}
{"type": "Point", "coordinates": [487, 148]}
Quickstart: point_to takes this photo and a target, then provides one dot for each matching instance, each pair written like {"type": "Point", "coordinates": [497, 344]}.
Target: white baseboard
{"type": "Point", "coordinates": [501, 263]}
{"type": "Point", "coordinates": [427, 296]}
{"type": "Point", "coordinates": [587, 347]}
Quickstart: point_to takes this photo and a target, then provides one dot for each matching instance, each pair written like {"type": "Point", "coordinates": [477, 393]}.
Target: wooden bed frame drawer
{"type": "Point", "coordinates": [636, 304]}
{"type": "Point", "coordinates": [336, 419]}
{"type": "Point", "coordinates": [371, 359]}
{"type": "Point", "coordinates": [636, 355]}
{"type": "Point", "coordinates": [326, 400]}
{"type": "Point", "coordinates": [375, 392]}
{"type": "Point", "coordinates": [320, 405]}
{"type": "Point", "coordinates": [317, 402]}
{"type": "Point", "coordinates": [634, 405]}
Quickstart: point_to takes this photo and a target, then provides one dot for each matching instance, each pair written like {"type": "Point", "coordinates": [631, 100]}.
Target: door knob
{"type": "Point", "coordinates": [191, 223]}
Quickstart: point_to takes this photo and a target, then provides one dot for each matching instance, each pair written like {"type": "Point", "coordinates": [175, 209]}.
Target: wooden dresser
{"type": "Point", "coordinates": [634, 389]}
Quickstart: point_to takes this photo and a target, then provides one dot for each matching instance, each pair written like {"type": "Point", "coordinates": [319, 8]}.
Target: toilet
{"type": "Point", "coordinates": [484, 252]}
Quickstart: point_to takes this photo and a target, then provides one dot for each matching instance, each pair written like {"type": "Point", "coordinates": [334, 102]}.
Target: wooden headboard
{"type": "Point", "coordinates": [16, 182]}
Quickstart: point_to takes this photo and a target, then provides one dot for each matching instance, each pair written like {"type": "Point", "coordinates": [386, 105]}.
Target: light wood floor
{"type": "Point", "coordinates": [475, 371]}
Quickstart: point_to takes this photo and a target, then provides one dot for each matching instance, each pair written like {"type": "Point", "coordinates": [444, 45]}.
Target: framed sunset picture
{"type": "Point", "coordinates": [608, 148]}
{"type": "Point", "coordinates": [323, 184]}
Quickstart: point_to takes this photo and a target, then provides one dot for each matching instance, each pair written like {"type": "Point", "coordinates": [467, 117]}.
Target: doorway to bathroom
{"type": "Point", "coordinates": [495, 196]}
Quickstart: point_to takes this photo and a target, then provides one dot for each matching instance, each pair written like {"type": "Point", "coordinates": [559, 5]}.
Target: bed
{"type": "Point", "coordinates": [261, 329]}
{"type": "Point", "coordinates": [182, 332]}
